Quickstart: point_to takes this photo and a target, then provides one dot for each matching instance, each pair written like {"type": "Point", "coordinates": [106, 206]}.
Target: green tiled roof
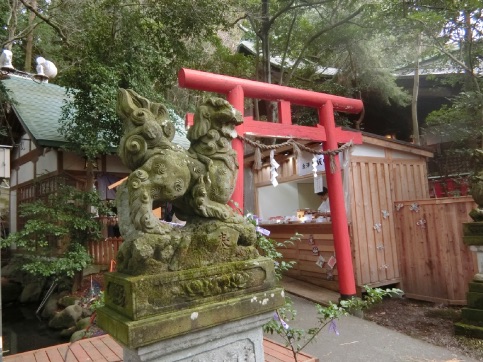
{"type": "Point", "coordinates": [38, 107]}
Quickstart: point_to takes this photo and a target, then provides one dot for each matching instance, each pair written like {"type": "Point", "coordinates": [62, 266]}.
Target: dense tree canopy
{"type": "Point", "coordinates": [100, 45]}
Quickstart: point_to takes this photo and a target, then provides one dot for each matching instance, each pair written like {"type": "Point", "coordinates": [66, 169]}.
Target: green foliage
{"type": "Point", "coordinates": [371, 297]}
{"type": "Point", "coordinates": [63, 221]}
{"type": "Point", "coordinates": [101, 45]}
{"type": "Point", "coordinates": [97, 302]}
{"type": "Point", "coordinates": [72, 261]}
{"type": "Point", "coordinates": [309, 38]}
{"type": "Point", "coordinates": [461, 121]}
{"type": "Point", "coordinates": [297, 339]}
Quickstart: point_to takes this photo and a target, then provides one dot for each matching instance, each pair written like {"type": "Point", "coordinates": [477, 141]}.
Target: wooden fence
{"type": "Point", "coordinates": [435, 265]}
{"type": "Point", "coordinates": [103, 251]}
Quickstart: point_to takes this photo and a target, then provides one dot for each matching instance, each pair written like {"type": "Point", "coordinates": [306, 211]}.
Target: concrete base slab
{"type": "Point", "coordinates": [235, 341]}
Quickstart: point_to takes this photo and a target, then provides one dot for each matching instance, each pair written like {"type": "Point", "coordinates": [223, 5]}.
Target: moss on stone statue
{"type": "Point", "coordinates": [201, 242]}
{"type": "Point", "coordinates": [198, 182]}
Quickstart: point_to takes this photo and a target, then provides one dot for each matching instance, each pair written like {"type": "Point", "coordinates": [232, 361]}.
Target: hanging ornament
{"type": "Point", "coordinates": [414, 207]}
{"type": "Point", "coordinates": [385, 214]}
{"type": "Point", "coordinates": [273, 169]}
{"type": "Point", "coordinates": [332, 261]}
{"type": "Point", "coordinates": [377, 227]}
{"type": "Point", "coordinates": [320, 261]}
{"type": "Point", "coordinates": [311, 239]}
{"type": "Point", "coordinates": [421, 223]}
{"type": "Point", "coordinates": [314, 166]}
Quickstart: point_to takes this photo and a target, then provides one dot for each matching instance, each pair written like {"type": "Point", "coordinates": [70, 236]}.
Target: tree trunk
{"type": "Point", "coordinates": [89, 186]}
{"type": "Point", "coordinates": [414, 103]}
{"type": "Point", "coordinates": [264, 36]}
{"type": "Point", "coordinates": [30, 39]}
{"type": "Point", "coordinates": [12, 23]}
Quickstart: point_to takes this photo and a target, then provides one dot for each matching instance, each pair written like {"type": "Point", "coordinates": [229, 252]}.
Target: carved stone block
{"type": "Point", "coordinates": [138, 297]}
{"type": "Point", "coordinates": [473, 233]}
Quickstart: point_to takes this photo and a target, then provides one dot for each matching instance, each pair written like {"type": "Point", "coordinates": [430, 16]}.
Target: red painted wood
{"type": "Point", "coordinates": [79, 352]}
{"type": "Point", "coordinates": [283, 130]}
{"type": "Point", "coordinates": [104, 251]}
{"type": "Point", "coordinates": [195, 79]}
{"type": "Point", "coordinates": [284, 112]}
{"type": "Point", "coordinates": [105, 348]}
{"type": "Point", "coordinates": [106, 352]}
{"type": "Point", "coordinates": [41, 356]}
{"type": "Point", "coordinates": [54, 355]}
{"type": "Point", "coordinates": [92, 351]}
{"type": "Point", "coordinates": [189, 120]}
{"type": "Point", "coordinates": [236, 97]}
{"type": "Point", "coordinates": [67, 354]}
{"type": "Point", "coordinates": [236, 89]}
{"type": "Point", "coordinates": [347, 283]}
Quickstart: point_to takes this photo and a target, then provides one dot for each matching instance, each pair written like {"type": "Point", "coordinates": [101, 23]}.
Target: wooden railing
{"type": "Point", "coordinates": [435, 263]}
{"type": "Point", "coordinates": [104, 251]}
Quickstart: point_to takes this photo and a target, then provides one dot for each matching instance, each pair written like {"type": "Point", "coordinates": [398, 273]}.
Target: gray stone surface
{"type": "Point", "coordinates": [50, 307]}
{"type": "Point", "coordinates": [31, 292]}
{"type": "Point", "coordinates": [198, 183]}
{"type": "Point", "coordinates": [360, 340]}
{"type": "Point", "coordinates": [236, 341]}
{"type": "Point", "coordinates": [66, 318]}
{"type": "Point", "coordinates": [10, 291]}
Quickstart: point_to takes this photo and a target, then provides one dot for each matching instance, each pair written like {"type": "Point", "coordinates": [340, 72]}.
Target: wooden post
{"type": "Point", "coordinates": [237, 98]}
{"type": "Point", "coordinates": [342, 244]}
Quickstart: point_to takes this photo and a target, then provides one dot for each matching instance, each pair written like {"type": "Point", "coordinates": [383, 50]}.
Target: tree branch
{"type": "Point", "coordinates": [319, 33]}
{"type": "Point", "coordinates": [47, 20]}
{"type": "Point", "coordinates": [20, 35]}
{"type": "Point", "coordinates": [289, 7]}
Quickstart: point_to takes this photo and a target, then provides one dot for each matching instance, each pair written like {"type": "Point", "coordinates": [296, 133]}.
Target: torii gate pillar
{"type": "Point", "coordinates": [236, 89]}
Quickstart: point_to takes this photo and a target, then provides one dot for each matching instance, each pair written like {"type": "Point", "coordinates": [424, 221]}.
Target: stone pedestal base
{"type": "Point", "coordinates": [206, 314]}
{"type": "Point", "coordinates": [471, 324]}
{"type": "Point", "coordinates": [234, 341]}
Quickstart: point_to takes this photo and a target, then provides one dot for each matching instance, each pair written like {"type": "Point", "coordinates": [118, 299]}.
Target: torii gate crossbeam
{"type": "Point", "coordinates": [236, 89]}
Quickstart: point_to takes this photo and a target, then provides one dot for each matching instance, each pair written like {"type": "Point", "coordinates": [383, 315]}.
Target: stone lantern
{"type": "Point", "coordinates": [472, 315]}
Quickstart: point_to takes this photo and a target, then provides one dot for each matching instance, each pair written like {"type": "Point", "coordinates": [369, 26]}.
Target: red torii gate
{"type": "Point", "coordinates": [236, 89]}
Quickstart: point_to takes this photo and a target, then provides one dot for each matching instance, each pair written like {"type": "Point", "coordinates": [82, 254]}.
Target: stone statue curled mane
{"type": "Point", "coordinates": [198, 182]}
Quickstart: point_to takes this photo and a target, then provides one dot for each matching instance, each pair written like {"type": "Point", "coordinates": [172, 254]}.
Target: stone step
{"type": "Point", "coordinates": [472, 316]}
{"type": "Point", "coordinates": [468, 330]}
{"type": "Point", "coordinates": [476, 287]}
{"type": "Point", "coordinates": [475, 300]}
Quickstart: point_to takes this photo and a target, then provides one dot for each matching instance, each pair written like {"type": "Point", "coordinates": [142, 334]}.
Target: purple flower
{"type": "Point", "coordinates": [282, 322]}
{"type": "Point", "coordinates": [333, 327]}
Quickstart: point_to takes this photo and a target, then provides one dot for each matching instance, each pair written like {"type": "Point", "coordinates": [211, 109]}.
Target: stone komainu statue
{"type": "Point", "coordinates": [199, 182]}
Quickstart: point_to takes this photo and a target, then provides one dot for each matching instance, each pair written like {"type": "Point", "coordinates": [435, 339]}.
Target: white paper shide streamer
{"type": "Point", "coordinates": [273, 169]}
{"type": "Point", "coordinates": [314, 166]}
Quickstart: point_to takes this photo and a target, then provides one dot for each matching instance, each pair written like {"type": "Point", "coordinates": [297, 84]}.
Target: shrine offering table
{"type": "Point", "coordinates": [313, 253]}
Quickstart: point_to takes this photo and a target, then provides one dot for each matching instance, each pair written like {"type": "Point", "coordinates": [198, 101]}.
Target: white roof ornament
{"type": "Point", "coordinates": [6, 60]}
{"type": "Point", "coordinates": [45, 69]}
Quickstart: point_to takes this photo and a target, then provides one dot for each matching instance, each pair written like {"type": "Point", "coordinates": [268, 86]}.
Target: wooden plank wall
{"type": "Point", "coordinates": [374, 184]}
{"type": "Point", "coordinates": [286, 172]}
{"type": "Point", "coordinates": [435, 264]}
{"type": "Point", "coordinates": [103, 251]}
{"type": "Point", "coordinates": [306, 269]}
{"type": "Point", "coordinates": [410, 179]}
